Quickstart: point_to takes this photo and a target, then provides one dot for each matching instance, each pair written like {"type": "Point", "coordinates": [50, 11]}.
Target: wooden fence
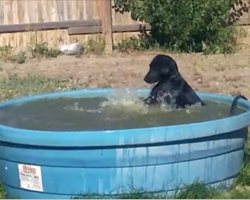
{"type": "Point", "coordinates": [25, 22]}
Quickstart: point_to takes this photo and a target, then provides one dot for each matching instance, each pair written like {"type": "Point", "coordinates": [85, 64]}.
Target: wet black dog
{"type": "Point", "coordinates": [171, 86]}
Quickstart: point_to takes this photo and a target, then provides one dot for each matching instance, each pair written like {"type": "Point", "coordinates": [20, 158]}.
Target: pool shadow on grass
{"type": "Point", "coordinates": [197, 190]}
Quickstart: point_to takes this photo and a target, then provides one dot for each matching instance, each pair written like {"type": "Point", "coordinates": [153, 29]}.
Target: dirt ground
{"type": "Point", "coordinates": [228, 74]}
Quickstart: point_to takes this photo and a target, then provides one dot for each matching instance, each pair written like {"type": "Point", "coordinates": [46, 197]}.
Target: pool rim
{"type": "Point", "coordinates": [124, 136]}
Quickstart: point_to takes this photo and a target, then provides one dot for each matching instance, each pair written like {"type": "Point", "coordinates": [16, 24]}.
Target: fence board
{"type": "Point", "coordinates": [115, 29]}
{"type": "Point", "coordinates": [47, 25]}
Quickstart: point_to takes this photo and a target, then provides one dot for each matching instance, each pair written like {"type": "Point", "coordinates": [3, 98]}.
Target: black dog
{"type": "Point", "coordinates": [170, 87]}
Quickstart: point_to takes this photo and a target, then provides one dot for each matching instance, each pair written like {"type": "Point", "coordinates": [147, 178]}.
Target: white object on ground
{"type": "Point", "coordinates": [71, 49]}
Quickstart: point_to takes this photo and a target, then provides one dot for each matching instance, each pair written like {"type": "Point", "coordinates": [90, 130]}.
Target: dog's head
{"type": "Point", "coordinates": [162, 67]}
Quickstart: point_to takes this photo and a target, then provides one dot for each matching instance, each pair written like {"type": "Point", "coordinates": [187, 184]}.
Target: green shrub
{"type": "Point", "coordinates": [43, 51]}
{"type": "Point", "coordinates": [188, 25]}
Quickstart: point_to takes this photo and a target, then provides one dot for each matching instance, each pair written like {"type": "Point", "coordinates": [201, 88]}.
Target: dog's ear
{"type": "Point", "coordinates": [169, 68]}
{"type": "Point", "coordinates": [165, 70]}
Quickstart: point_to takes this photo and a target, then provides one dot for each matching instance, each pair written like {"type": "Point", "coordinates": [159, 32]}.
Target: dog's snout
{"type": "Point", "coordinates": [148, 79]}
{"type": "Point", "coordinates": [145, 79]}
{"type": "Point", "coordinates": [151, 77]}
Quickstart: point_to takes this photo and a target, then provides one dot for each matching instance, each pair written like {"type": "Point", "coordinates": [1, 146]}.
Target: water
{"type": "Point", "coordinates": [116, 112]}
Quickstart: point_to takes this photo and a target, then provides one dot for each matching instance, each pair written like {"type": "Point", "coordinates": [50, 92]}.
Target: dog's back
{"type": "Point", "coordinates": [188, 96]}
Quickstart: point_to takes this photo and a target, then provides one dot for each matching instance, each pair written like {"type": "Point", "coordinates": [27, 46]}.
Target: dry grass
{"type": "Point", "coordinates": [228, 74]}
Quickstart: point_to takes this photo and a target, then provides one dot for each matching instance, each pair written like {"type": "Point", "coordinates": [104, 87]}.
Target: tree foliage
{"type": "Point", "coordinates": [188, 25]}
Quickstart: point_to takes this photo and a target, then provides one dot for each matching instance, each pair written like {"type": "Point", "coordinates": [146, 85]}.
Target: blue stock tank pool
{"type": "Point", "coordinates": [42, 159]}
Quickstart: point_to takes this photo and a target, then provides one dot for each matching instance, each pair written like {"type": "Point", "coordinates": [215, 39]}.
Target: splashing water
{"type": "Point", "coordinates": [126, 98]}
{"type": "Point", "coordinates": [78, 108]}
{"type": "Point", "coordinates": [75, 107]}
{"type": "Point", "coordinates": [127, 102]}
{"type": "Point", "coordinates": [164, 105]}
{"type": "Point", "coordinates": [123, 100]}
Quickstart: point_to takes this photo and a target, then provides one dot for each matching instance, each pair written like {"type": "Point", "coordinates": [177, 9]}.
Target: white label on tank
{"type": "Point", "coordinates": [30, 177]}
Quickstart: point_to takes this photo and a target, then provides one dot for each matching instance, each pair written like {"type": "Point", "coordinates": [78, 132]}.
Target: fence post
{"type": "Point", "coordinates": [106, 10]}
